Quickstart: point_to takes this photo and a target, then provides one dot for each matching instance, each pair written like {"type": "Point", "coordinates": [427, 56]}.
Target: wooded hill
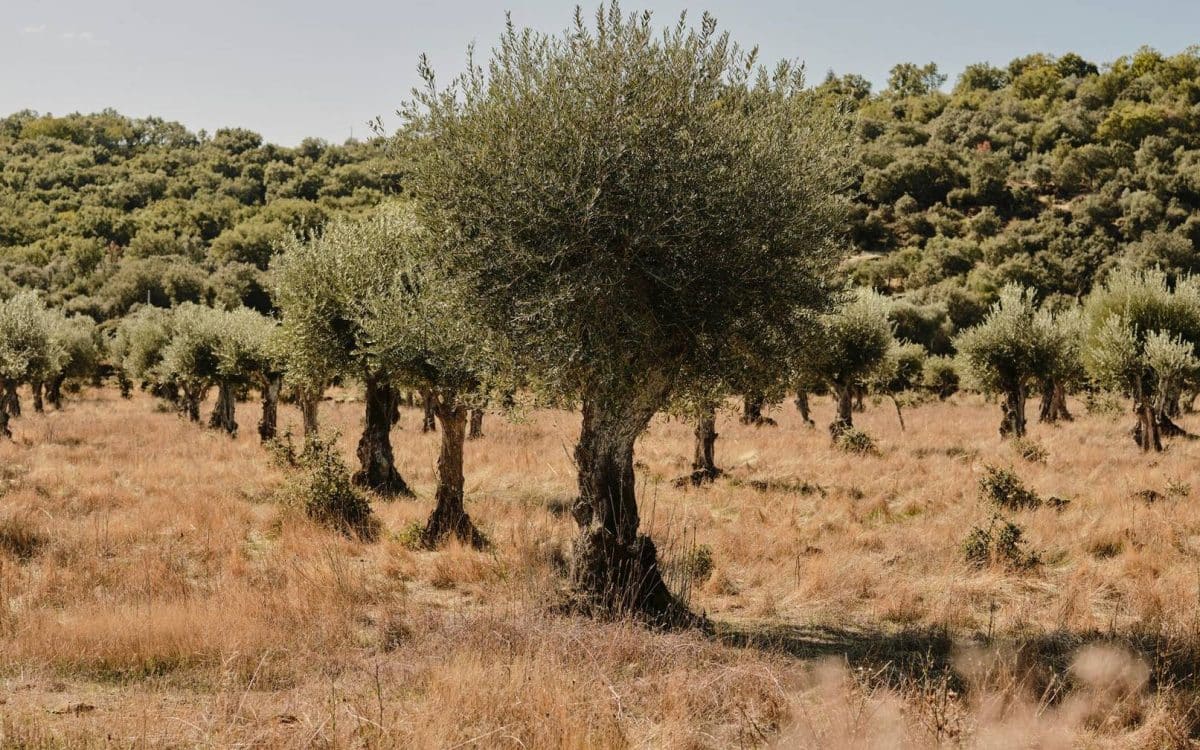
{"type": "Point", "coordinates": [1045, 172]}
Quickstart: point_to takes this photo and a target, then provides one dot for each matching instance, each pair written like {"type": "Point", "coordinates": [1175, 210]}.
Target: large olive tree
{"type": "Point", "coordinates": [327, 288]}
{"type": "Point", "coordinates": [190, 360]}
{"type": "Point", "coordinates": [621, 203]}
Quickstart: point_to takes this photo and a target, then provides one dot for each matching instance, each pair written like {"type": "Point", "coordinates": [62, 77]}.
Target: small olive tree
{"type": "Point", "coordinates": [1064, 366]}
{"type": "Point", "coordinates": [619, 203]}
{"type": "Point", "coordinates": [190, 359]}
{"type": "Point", "coordinates": [1142, 335]}
{"type": "Point", "coordinates": [1009, 352]}
{"type": "Point", "coordinates": [328, 289]}
{"type": "Point", "coordinates": [853, 347]}
{"type": "Point", "coordinates": [247, 357]}
{"type": "Point", "coordinates": [136, 350]}
{"type": "Point", "coordinates": [25, 350]}
{"type": "Point", "coordinates": [75, 355]}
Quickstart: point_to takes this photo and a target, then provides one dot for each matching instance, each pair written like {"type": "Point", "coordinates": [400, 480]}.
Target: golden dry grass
{"type": "Point", "coordinates": [153, 593]}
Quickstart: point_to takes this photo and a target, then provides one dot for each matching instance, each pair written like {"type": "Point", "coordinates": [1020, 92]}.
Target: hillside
{"type": "Point", "coordinates": [1044, 172]}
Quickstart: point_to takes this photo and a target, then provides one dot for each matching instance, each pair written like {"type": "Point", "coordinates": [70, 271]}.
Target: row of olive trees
{"type": "Point", "coordinates": [44, 349]}
{"type": "Point", "coordinates": [183, 353]}
{"type": "Point", "coordinates": [1138, 333]}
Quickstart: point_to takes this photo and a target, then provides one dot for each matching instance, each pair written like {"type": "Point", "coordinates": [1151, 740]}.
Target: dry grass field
{"type": "Point", "coordinates": [155, 593]}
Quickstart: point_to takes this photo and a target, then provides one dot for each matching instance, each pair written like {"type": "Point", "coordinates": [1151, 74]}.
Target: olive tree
{"type": "Point", "coordinates": [852, 348]}
{"type": "Point", "coordinates": [327, 288]}
{"type": "Point", "coordinates": [136, 349]}
{"type": "Point", "coordinates": [25, 350]}
{"type": "Point", "coordinates": [190, 359]}
{"type": "Point", "coordinates": [621, 203]}
{"type": "Point", "coordinates": [1010, 351]}
{"type": "Point", "coordinates": [426, 334]}
{"type": "Point", "coordinates": [247, 356]}
{"type": "Point", "coordinates": [1064, 366]}
{"type": "Point", "coordinates": [75, 354]}
{"type": "Point", "coordinates": [1141, 339]}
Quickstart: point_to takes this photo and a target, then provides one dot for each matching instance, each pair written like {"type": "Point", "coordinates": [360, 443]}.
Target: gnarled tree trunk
{"type": "Point", "coordinates": [190, 404]}
{"type": "Point", "coordinates": [613, 568]}
{"type": "Point", "coordinates": [430, 422]}
{"type": "Point", "coordinates": [222, 417]}
{"type": "Point", "coordinates": [752, 410]}
{"type": "Point", "coordinates": [1012, 409]}
{"type": "Point", "coordinates": [803, 407]}
{"type": "Point", "coordinates": [1054, 403]}
{"type": "Point", "coordinates": [449, 515]}
{"type": "Point", "coordinates": [704, 465]}
{"type": "Point", "coordinates": [5, 430]}
{"type": "Point", "coordinates": [476, 428]}
{"type": "Point", "coordinates": [310, 402]}
{"type": "Point", "coordinates": [12, 401]}
{"type": "Point", "coordinates": [39, 406]}
{"type": "Point", "coordinates": [268, 424]}
{"type": "Point", "coordinates": [377, 465]}
{"type": "Point", "coordinates": [844, 421]}
{"type": "Point", "coordinates": [54, 391]}
{"type": "Point", "coordinates": [1146, 432]}
{"type": "Point", "coordinates": [124, 384]}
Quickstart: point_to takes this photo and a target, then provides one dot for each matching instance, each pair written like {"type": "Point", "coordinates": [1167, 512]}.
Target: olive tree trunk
{"type": "Point", "coordinates": [39, 406]}
{"type": "Point", "coordinates": [124, 384]}
{"type": "Point", "coordinates": [476, 428]}
{"type": "Point", "coordinates": [844, 421]}
{"type": "Point", "coordinates": [1054, 403]}
{"type": "Point", "coordinates": [310, 402]}
{"type": "Point", "coordinates": [1012, 409]}
{"type": "Point", "coordinates": [54, 391]}
{"type": "Point", "coordinates": [190, 403]}
{"type": "Point", "coordinates": [5, 431]}
{"type": "Point", "coordinates": [752, 411]}
{"type": "Point", "coordinates": [268, 424]}
{"type": "Point", "coordinates": [803, 407]}
{"type": "Point", "coordinates": [430, 422]}
{"type": "Point", "coordinates": [12, 401]}
{"type": "Point", "coordinates": [449, 515]}
{"type": "Point", "coordinates": [614, 569]}
{"type": "Point", "coordinates": [377, 465]}
{"type": "Point", "coordinates": [223, 413]}
{"type": "Point", "coordinates": [1146, 432]}
{"type": "Point", "coordinates": [704, 465]}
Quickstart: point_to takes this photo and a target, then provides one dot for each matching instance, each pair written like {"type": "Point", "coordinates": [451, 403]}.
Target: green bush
{"type": "Point", "coordinates": [322, 488]}
{"type": "Point", "coordinates": [1003, 488]}
{"type": "Point", "coordinates": [1001, 543]}
{"type": "Point", "coordinates": [856, 441]}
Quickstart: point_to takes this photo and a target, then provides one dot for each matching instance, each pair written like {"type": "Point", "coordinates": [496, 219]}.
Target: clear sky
{"type": "Point", "coordinates": [294, 68]}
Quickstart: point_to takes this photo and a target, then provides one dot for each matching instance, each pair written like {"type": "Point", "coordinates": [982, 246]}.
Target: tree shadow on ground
{"type": "Point", "coordinates": [904, 657]}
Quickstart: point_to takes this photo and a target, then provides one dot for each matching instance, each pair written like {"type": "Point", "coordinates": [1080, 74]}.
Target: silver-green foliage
{"type": "Point", "coordinates": [26, 347]}
{"type": "Point", "coordinates": [1016, 344]}
{"type": "Point", "coordinates": [1142, 333]}
{"type": "Point", "coordinates": [624, 204]}
{"type": "Point", "coordinates": [855, 344]}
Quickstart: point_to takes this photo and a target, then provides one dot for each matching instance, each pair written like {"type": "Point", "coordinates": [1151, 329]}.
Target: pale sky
{"type": "Point", "coordinates": [290, 69]}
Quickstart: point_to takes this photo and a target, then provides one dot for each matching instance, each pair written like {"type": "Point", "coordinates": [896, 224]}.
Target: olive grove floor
{"type": "Point", "coordinates": [154, 592]}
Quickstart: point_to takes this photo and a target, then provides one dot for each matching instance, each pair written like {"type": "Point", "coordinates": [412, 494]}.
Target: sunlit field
{"type": "Point", "coordinates": [156, 593]}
